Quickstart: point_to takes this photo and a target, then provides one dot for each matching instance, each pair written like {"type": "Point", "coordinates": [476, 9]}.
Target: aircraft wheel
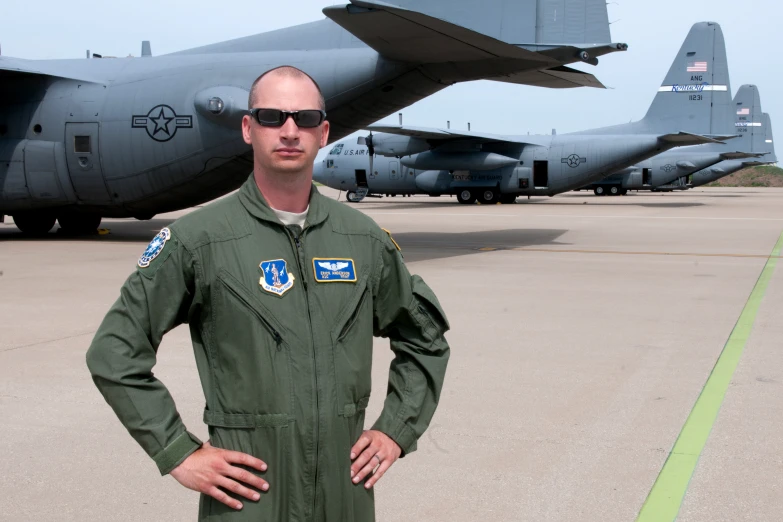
{"type": "Point", "coordinates": [508, 199]}
{"type": "Point", "coordinates": [599, 191]}
{"type": "Point", "coordinates": [466, 197]}
{"type": "Point", "coordinates": [623, 192]}
{"type": "Point", "coordinates": [489, 197]}
{"type": "Point", "coordinates": [352, 197]}
{"type": "Point", "coordinates": [614, 190]}
{"type": "Point", "coordinates": [79, 224]}
{"type": "Point", "coordinates": [34, 224]}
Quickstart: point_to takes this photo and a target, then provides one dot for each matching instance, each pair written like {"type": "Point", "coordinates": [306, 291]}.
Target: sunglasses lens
{"type": "Point", "coordinates": [309, 118]}
{"type": "Point", "coordinates": [270, 117]}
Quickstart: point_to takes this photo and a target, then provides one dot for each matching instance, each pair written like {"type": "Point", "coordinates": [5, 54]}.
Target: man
{"type": "Point", "coordinates": [283, 290]}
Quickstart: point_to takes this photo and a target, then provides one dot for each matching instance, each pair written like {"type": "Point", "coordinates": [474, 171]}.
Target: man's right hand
{"type": "Point", "coordinates": [208, 469]}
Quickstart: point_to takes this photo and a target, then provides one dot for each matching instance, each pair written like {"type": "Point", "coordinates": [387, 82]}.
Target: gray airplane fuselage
{"type": "Point", "coordinates": [544, 165]}
{"type": "Point", "coordinates": [147, 139]}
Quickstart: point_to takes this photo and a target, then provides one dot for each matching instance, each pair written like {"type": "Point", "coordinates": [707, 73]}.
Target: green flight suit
{"type": "Point", "coordinates": [285, 368]}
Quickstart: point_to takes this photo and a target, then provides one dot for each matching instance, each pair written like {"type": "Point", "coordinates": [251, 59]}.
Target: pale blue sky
{"type": "Point", "coordinates": [654, 31]}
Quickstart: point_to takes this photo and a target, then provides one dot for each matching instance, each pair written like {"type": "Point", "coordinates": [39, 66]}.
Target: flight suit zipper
{"type": "Point", "coordinates": [300, 257]}
{"type": "Point", "coordinates": [271, 329]}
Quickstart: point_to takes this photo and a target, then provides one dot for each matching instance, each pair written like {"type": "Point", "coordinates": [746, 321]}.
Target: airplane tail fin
{"type": "Point", "coordinates": [695, 95]}
{"type": "Point", "coordinates": [462, 40]}
{"type": "Point", "coordinates": [748, 120]}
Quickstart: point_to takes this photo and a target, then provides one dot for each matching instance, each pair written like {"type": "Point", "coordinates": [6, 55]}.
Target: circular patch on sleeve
{"type": "Point", "coordinates": [154, 248]}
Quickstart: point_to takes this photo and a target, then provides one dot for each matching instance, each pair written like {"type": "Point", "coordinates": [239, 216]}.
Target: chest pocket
{"type": "Point", "coordinates": [352, 339]}
{"type": "Point", "coordinates": [252, 356]}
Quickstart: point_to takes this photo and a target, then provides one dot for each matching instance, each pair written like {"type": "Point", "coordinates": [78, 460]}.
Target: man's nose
{"type": "Point", "coordinates": [289, 130]}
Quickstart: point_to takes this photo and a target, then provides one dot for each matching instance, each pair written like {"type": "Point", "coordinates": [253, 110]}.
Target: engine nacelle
{"type": "Point", "coordinates": [394, 145]}
{"type": "Point", "coordinates": [457, 161]}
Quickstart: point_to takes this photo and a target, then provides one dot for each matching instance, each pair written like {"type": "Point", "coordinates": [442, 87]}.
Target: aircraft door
{"type": "Point", "coordinates": [646, 176]}
{"type": "Point", "coordinates": [84, 163]}
{"type": "Point", "coordinates": [540, 174]}
{"type": "Point", "coordinates": [361, 177]}
{"type": "Point", "coordinates": [394, 170]}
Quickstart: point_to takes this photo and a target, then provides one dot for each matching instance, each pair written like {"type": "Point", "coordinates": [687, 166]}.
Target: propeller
{"type": "Point", "coordinates": [367, 140]}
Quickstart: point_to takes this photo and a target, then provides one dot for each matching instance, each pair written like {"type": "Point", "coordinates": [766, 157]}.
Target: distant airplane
{"type": "Point", "coordinates": [493, 168]}
{"type": "Point", "coordinates": [134, 137]}
{"type": "Point", "coordinates": [693, 166]}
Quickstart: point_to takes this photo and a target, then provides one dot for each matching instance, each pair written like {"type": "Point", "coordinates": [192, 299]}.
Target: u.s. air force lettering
{"type": "Point", "coordinates": [161, 122]}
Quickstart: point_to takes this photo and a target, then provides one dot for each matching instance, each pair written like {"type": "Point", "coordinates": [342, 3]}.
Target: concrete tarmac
{"type": "Point", "coordinates": [583, 330]}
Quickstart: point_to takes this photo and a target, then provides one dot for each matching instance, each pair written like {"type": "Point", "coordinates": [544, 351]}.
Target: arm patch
{"type": "Point", "coordinates": [392, 239]}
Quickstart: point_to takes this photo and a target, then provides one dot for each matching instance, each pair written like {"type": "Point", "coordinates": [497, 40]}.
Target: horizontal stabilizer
{"type": "Point", "coordinates": [409, 36]}
{"type": "Point", "coordinates": [682, 139]}
{"type": "Point", "coordinates": [555, 78]}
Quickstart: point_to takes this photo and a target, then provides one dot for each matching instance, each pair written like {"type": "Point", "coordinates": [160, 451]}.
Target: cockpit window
{"type": "Point", "coordinates": [336, 150]}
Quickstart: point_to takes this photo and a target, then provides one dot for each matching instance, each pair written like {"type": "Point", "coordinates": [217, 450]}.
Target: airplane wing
{"type": "Point", "coordinates": [413, 37]}
{"type": "Point", "coordinates": [325, 265]}
{"type": "Point", "coordinates": [554, 78]}
{"type": "Point", "coordinates": [10, 67]}
{"type": "Point", "coordinates": [682, 139]}
{"type": "Point", "coordinates": [340, 266]}
{"type": "Point", "coordinates": [427, 133]}
{"type": "Point", "coordinates": [741, 155]}
{"type": "Point", "coordinates": [410, 36]}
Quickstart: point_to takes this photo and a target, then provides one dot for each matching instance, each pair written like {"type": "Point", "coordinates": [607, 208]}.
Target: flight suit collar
{"type": "Point", "coordinates": [253, 201]}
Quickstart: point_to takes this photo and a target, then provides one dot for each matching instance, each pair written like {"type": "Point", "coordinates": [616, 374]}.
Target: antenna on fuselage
{"type": "Point", "coordinates": [468, 126]}
{"type": "Point", "coordinates": [146, 48]}
{"type": "Point", "coordinates": [400, 119]}
{"type": "Point", "coordinates": [448, 124]}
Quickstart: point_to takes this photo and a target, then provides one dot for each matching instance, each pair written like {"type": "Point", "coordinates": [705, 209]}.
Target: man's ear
{"type": "Point", "coordinates": [324, 134]}
{"type": "Point", "coordinates": [246, 123]}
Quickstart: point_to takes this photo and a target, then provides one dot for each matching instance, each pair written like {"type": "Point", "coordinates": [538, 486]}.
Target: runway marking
{"type": "Point", "coordinates": [579, 216]}
{"type": "Point", "coordinates": [666, 496]}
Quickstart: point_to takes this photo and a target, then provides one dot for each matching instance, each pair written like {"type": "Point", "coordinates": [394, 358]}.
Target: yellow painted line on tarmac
{"type": "Point", "coordinates": [666, 496]}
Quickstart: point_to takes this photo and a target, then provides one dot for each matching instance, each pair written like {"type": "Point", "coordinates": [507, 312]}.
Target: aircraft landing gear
{"type": "Point", "coordinates": [34, 223]}
{"type": "Point", "coordinates": [466, 197]}
{"type": "Point", "coordinates": [599, 191]}
{"type": "Point", "coordinates": [489, 197]}
{"type": "Point", "coordinates": [508, 199]}
{"type": "Point", "coordinates": [79, 224]}
{"type": "Point", "coordinates": [614, 190]}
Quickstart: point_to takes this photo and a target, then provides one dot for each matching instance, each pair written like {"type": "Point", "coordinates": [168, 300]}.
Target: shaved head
{"type": "Point", "coordinates": [285, 71]}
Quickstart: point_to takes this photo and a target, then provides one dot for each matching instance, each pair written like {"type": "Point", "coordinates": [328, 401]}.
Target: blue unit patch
{"type": "Point", "coordinates": [334, 270]}
{"type": "Point", "coordinates": [154, 248]}
{"type": "Point", "coordinates": [276, 279]}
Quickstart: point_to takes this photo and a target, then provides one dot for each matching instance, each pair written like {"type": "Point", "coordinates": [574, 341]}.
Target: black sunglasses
{"type": "Point", "coordinates": [306, 119]}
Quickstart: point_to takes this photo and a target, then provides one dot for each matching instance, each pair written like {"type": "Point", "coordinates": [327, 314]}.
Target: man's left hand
{"type": "Point", "coordinates": [373, 449]}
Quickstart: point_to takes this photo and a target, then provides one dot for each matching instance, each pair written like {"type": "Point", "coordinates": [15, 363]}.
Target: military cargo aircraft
{"type": "Point", "coordinates": [134, 137]}
{"type": "Point", "coordinates": [762, 141]}
{"type": "Point", "coordinates": [674, 169]}
{"type": "Point", "coordinates": [492, 168]}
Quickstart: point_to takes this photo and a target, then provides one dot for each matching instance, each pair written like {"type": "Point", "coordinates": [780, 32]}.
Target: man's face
{"type": "Point", "coordinates": [287, 149]}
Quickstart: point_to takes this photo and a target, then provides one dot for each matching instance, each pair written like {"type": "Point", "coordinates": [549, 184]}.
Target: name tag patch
{"type": "Point", "coordinates": [334, 270]}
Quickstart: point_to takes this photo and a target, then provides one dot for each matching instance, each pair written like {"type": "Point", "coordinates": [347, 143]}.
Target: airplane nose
{"type": "Point", "coordinates": [319, 172]}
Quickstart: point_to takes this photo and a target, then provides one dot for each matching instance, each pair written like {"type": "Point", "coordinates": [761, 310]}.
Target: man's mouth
{"type": "Point", "coordinates": [289, 151]}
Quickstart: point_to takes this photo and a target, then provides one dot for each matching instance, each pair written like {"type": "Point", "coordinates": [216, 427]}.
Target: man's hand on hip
{"type": "Point", "coordinates": [374, 449]}
{"type": "Point", "coordinates": [208, 469]}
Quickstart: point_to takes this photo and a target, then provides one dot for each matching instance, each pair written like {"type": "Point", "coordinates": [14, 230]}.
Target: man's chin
{"type": "Point", "coordinates": [290, 165]}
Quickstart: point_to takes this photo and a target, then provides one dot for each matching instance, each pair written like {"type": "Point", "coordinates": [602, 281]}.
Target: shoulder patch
{"type": "Point", "coordinates": [154, 248]}
{"type": "Point", "coordinates": [392, 239]}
